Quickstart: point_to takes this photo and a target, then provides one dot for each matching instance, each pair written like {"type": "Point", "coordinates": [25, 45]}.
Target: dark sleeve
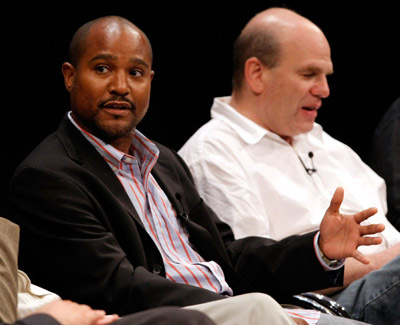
{"type": "Point", "coordinates": [284, 268]}
{"type": "Point", "coordinates": [385, 159]}
{"type": "Point", "coordinates": [37, 319]}
{"type": "Point", "coordinates": [278, 268]}
{"type": "Point", "coordinates": [69, 245]}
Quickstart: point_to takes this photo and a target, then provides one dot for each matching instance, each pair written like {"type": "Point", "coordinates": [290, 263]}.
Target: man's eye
{"type": "Point", "coordinates": [309, 74]}
{"type": "Point", "coordinates": [102, 69]}
{"type": "Point", "coordinates": [136, 73]}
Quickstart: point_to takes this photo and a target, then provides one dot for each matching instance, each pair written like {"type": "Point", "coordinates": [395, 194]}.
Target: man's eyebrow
{"type": "Point", "coordinates": [103, 57]}
{"type": "Point", "coordinates": [315, 68]}
{"type": "Point", "coordinates": [113, 57]}
{"type": "Point", "coordinates": [140, 61]}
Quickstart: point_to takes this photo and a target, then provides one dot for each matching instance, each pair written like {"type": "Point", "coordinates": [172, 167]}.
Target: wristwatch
{"type": "Point", "coordinates": [329, 262]}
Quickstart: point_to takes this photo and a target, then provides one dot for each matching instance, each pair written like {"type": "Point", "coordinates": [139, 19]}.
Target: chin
{"type": "Point", "coordinates": [113, 131]}
{"type": "Point", "coordinates": [307, 128]}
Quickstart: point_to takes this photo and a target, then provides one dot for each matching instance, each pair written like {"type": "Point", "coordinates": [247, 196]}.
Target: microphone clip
{"type": "Point", "coordinates": [182, 215]}
{"type": "Point", "coordinates": [311, 170]}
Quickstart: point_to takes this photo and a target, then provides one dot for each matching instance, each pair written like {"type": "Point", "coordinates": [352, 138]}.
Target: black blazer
{"type": "Point", "coordinates": [82, 238]}
{"type": "Point", "coordinates": [37, 319]}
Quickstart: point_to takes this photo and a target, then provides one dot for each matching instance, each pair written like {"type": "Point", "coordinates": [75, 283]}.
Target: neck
{"type": "Point", "coordinates": [123, 143]}
{"type": "Point", "coordinates": [287, 139]}
{"type": "Point", "coordinates": [244, 106]}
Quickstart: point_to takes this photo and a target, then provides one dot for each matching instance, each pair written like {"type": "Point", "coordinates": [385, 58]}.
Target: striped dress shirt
{"type": "Point", "coordinates": [182, 263]}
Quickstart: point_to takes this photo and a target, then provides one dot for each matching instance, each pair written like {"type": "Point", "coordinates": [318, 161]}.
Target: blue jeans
{"type": "Point", "coordinates": [375, 298]}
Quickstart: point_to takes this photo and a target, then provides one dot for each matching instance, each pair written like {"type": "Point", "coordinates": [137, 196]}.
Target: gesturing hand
{"type": "Point", "coordinates": [340, 235]}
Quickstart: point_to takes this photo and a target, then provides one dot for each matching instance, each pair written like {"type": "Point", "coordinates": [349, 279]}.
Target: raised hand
{"type": "Point", "coordinates": [340, 235]}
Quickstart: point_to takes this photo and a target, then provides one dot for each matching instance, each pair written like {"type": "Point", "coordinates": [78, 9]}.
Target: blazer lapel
{"type": "Point", "coordinates": [82, 152]}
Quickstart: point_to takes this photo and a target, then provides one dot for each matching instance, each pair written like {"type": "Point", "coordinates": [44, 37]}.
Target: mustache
{"type": "Point", "coordinates": [103, 103]}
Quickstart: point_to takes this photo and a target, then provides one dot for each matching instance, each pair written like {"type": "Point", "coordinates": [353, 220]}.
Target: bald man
{"type": "Point", "coordinates": [269, 170]}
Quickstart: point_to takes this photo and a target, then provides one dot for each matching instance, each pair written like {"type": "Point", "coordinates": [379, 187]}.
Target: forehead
{"type": "Point", "coordinates": [118, 40]}
{"type": "Point", "coordinates": [307, 49]}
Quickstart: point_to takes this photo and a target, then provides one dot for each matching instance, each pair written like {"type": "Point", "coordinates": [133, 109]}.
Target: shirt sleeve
{"type": "Point", "coordinates": [9, 237]}
{"type": "Point", "coordinates": [333, 267]}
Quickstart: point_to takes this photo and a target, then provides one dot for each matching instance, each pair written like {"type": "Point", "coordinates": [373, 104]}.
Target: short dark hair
{"type": "Point", "coordinates": [77, 44]}
{"type": "Point", "coordinates": [254, 42]}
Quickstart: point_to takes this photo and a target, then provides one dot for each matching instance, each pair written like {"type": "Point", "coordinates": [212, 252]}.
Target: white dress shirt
{"type": "Point", "coordinates": [256, 181]}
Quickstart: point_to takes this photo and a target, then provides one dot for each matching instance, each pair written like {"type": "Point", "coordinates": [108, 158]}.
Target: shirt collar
{"type": "Point", "coordinates": [248, 130]}
{"type": "Point", "coordinates": [142, 148]}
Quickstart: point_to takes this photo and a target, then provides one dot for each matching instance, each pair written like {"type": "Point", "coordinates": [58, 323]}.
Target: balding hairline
{"type": "Point", "coordinates": [77, 43]}
{"type": "Point", "coordinates": [263, 37]}
{"type": "Point", "coordinates": [253, 41]}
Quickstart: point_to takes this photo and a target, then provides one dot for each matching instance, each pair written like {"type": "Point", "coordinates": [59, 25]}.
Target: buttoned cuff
{"type": "Point", "coordinates": [336, 265]}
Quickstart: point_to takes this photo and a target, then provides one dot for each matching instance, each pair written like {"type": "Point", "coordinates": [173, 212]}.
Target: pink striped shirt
{"type": "Point", "coordinates": [182, 263]}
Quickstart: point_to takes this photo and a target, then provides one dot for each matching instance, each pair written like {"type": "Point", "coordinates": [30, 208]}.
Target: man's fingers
{"type": "Point", "coordinates": [337, 200]}
{"type": "Point", "coordinates": [360, 257]}
{"type": "Point", "coordinates": [108, 319]}
{"type": "Point", "coordinates": [371, 229]}
{"type": "Point", "coordinates": [365, 214]}
{"type": "Point", "coordinates": [368, 241]}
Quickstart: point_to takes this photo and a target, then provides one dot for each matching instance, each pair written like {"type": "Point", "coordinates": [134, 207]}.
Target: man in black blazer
{"type": "Point", "coordinates": [82, 235]}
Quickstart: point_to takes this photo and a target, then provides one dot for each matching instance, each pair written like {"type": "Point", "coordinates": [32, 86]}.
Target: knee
{"type": "Point", "coordinates": [178, 316]}
{"type": "Point", "coordinates": [262, 307]}
{"type": "Point", "coordinates": [261, 300]}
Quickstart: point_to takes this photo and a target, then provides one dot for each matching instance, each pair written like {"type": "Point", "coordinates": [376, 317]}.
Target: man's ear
{"type": "Point", "coordinates": [69, 72]}
{"type": "Point", "coordinates": [253, 74]}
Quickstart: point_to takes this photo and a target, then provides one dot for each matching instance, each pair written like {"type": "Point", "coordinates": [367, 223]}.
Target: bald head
{"type": "Point", "coordinates": [108, 23]}
{"type": "Point", "coordinates": [281, 18]}
{"type": "Point", "coordinates": [264, 36]}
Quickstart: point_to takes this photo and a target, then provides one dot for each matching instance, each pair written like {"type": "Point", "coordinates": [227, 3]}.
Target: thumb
{"type": "Point", "coordinates": [337, 200]}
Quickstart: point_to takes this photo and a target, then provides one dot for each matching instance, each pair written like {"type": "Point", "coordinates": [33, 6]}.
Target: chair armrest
{"type": "Point", "coordinates": [316, 301]}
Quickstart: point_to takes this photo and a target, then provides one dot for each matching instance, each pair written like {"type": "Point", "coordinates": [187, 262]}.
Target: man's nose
{"type": "Point", "coordinates": [119, 84]}
{"type": "Point", "coordinates": [321, 88]}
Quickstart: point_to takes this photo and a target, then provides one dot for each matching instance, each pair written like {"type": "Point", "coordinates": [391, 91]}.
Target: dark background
{"type": "Point", "coordinates": [192, 44]}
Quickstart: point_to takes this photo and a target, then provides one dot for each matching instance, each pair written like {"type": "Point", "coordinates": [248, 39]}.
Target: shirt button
{"type": "Point", "coordinates": [128, 160]}
{"type": "Point", "coordinates": [157, 269]}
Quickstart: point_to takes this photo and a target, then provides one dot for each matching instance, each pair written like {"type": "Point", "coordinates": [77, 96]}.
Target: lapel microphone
{"type": "Point", "coordinates": [182, 215]}
{"type": "Point", "coordinates": [311, 170]}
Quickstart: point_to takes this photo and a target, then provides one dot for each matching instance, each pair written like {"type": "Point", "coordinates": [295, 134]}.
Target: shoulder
{"type": "Point", "coordinates": [320, 138]}
{"type": "Point", "coordinates": [64, 149]}
{"type": "Point", "coordinates": [214, 139]}
{"type": "Point", "coordinates": [170, 160]}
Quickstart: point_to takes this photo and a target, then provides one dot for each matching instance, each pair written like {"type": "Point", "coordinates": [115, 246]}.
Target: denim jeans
{"type": "Point", "coordinates": [375, 298]}
{"type": "Point", "coordinates": [327, 319]}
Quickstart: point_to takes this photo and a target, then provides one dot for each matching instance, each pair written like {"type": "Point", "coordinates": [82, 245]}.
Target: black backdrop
{"type": "Point", "coordinates": [192, 44]}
